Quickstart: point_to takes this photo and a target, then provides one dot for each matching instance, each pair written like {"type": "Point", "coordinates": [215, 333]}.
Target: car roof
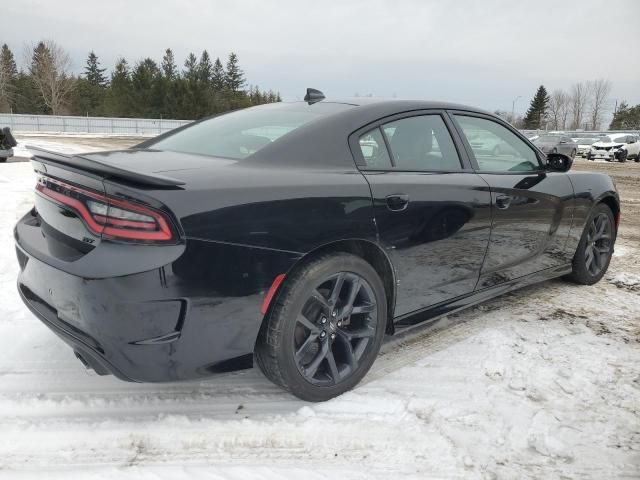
{"type": "Point", "coordinates": [317, 137]}
{"type": "Point", "coordinates": [373, 103]}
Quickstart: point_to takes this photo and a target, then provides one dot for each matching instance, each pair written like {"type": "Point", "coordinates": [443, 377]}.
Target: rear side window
{"type": "Point", "coordinates": [374, 150]}
{"type": "Point", "coordinates": [422, 143]}
{"type": "Point", "coordinates": [495, 147]}
{"type": "Point", "coordinates": [239, 134]}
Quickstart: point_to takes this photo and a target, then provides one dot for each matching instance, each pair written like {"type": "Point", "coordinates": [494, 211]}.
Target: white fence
{"type": "Point", "coordinates": [98, 125]}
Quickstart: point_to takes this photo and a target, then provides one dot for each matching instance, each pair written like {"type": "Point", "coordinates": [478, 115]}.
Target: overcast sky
{"type": "Point", "coordinates": [483, 53]}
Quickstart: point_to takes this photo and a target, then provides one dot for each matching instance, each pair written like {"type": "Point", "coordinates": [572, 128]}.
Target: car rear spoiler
{"type": "Point", "coordinates": [102, 168]}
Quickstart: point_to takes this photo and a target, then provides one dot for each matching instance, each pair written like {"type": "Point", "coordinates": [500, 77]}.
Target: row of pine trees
{"type": "Point", "coordinates": [202, 86]}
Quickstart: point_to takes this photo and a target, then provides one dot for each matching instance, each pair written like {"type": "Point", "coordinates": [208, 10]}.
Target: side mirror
{"type": "Point", "coordinates": [559, 162]}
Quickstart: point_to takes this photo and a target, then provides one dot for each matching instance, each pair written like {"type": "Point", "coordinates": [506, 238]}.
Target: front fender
{"type": "Point", "coordinates": [590, 190]}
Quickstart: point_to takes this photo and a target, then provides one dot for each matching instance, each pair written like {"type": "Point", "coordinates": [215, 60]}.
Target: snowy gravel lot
{"type": "Point", "coordinates": [539, 383]}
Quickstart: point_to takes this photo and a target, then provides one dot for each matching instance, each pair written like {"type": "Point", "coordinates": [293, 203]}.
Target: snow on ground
{"type": "Point", "coordinates": [540, 383]}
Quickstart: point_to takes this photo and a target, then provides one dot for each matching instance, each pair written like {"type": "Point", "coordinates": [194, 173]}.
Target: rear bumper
{"type": "Point", "coordinates": [127, 326]}
{"type": "Point", "coordinates": [162, 325]}
{"type": "Point", "coordinates": [88, 350]}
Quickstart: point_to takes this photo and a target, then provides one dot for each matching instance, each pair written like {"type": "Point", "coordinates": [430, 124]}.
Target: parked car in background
{"type": "Point", "coordinates": [556, 144]}
{"type": "Point", "coordinates": [7, 142]}
{"type": "Point", "coordinates": [583, 145]}
{"type": "Point", "coordinates": [616, 146]}
{"type": "Point", "coordinates": [489, 144]}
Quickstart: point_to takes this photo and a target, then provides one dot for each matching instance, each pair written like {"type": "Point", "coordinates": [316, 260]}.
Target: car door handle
{"type": "Point", "coordinates": [397, 202]}
{"type": "Point", "coordinates": [503, 201]}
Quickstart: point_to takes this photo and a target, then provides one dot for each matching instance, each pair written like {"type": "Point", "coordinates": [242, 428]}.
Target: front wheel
{"type": "Point", "coordinates": [623, 156]}
{"type": "Point", "coordinates": [325, 328]}
{"type": "Point", "coordinates": [594, 251]}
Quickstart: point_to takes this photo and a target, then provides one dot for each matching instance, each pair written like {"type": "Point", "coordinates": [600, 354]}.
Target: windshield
{"type": "Point", "coordinates": [241, 133]}
{"type": "Point", "coordinates": [585, 141]}
{"type": "Point", "coordinates": [605, 139]}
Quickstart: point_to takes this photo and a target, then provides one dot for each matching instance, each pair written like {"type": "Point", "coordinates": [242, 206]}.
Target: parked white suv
{"type": "Point", "coordinates": [616, 146]}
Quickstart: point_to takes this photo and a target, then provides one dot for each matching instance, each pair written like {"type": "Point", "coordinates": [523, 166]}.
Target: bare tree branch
{"type": "Point", "coordinates": [50, 71]}
{"type": "Point", "coordinates": [599, 91]}
{"type": "Point", "coordinates": [558, 109]}
{"type": "Point", "coordinates": [578, 104]}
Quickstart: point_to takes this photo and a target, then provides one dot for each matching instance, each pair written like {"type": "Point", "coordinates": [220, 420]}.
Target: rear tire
{"type": "Point", "coordinates": [320, 338]}
{"type": "Point", "coordinates": [594, 251]}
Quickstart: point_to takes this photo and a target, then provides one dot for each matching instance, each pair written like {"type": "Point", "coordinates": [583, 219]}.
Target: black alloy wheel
{"type": "Point", "coordinates": [595, 249]}
{"type": "Point", "coordinates": [599, 243]}
{"type": "Point", "coordinates": [336, 325]}
{"type": "Point", "coordinates": [325, 327]}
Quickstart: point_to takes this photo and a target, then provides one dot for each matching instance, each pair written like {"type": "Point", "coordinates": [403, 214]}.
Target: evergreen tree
{"type": "Point", "coordinates": [205, 69]}
{"type": "Point", "coordinates": [41, 61]}
{"type": "Point", "coordinates": [626, 118]}
{"type": "Point", "coordinates": [118, 101]}
{"type": "Point", "coordinates": [85, 98]}
{"type": "Point", "coordinates": [89, 94]}
{"type": "Point", "coordinates": [8, 80]}
{"type": "Point", "coordinates": [169, 67]}
{"type": "Point", "coordinates": [27, 98]}
{"type": "Point", "coordinates": [144, 85]}
{"type": "Point", "coordinates": [190, 73]}
{"type": "Point", "coordinates": [169, 85]}
{"type": "Point", "coordinates": [40, 57]}
{"type": "Point", "coordinates": [536, 115]}
{"type": "Point", "coordinates": [93, 73]}
{"type": "Point", "coordinates": [234, 76]}
{"type": "Point", "coordinates": [218, 76]}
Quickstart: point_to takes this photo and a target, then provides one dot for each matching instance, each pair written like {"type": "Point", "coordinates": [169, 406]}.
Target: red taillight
{"type": "Point", "coordinates": [107, 216]}
{"type": "Point", "coordinates": [272, 291]}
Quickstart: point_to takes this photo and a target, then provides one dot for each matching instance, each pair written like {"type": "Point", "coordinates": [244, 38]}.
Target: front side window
{"type": "Point", "coordinates": [495, 147]}
{"type": "Point", "coordinates": [239, 134]}
{"type": "Point", "coordinates": [422, 143]}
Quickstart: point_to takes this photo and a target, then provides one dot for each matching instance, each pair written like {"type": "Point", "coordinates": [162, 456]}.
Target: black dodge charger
{"type": "Point", "coordinates": [298, 234]}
